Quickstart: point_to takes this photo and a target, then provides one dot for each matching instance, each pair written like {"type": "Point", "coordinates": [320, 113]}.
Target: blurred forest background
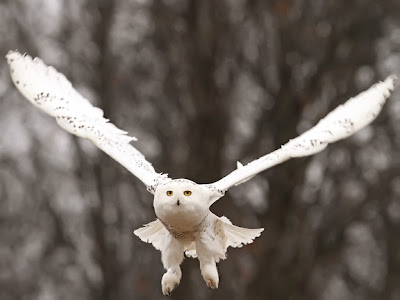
{"type": "Point", "coordinates": [201, 84]}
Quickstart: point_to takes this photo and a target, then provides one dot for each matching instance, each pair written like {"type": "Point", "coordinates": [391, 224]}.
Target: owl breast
{"type": "Point", "coordinates": [186, 233]}
{"type": "Point", "coordinates": [184, 236]}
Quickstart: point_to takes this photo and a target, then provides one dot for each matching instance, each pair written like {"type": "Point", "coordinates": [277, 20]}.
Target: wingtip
{"type": "Point", "coordinates": [12, 51]}
{"type": "Point", "coordinates": [392, 81]}
{"type": "Point", "coordinates": [12, 55]}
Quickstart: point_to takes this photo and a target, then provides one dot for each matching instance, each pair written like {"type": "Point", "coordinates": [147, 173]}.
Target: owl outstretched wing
{"type": "Point", "coordinates": [51, 91]}
{"type": "Point", "coordinates": [342, 122]}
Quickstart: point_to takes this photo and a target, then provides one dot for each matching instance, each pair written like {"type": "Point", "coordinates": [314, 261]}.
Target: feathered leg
{"type": "Point", "coordinates": [208, 265]}
{"type": "Point", "coordinates": [171, 256]}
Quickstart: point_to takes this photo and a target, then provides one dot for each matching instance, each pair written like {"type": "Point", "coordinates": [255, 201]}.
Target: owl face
{"type": "Point", "coordinates": [181, 204]}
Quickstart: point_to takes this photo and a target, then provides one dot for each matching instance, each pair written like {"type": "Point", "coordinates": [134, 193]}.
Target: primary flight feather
{"type": "Point", "coordinates": [51, 91]}
{"type": "Point", "coordinates": [184, 221]}
{"type": "Point", "coordinates": [340, 123]}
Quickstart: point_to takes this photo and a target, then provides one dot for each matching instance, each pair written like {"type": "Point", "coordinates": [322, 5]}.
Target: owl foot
{"type": "Point", "coordinates": [169, 282]}
{"type": "Point", "coordinates": [211, 283]}
{"type": "Point", "coordinates": [210, 275]}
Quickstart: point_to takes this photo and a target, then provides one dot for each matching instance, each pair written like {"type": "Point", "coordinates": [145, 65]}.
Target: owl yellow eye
{"type": "Point", "coordinates": [187, 193]}
{"type": "Point", "coordinates": [169, 193]}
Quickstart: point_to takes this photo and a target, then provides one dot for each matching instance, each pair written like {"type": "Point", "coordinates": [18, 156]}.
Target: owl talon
{"type": "Point", "coordinates": [210, 275]}
{"type": "Point", "coordinates": [169, 282]}
{"type": "Point", "coordinates": [212, 284]}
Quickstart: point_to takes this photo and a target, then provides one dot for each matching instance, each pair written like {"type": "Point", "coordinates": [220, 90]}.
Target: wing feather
{"type": "Point", "coordinates": [153, 233]}
{"type": "Point", "coordinates": [235, 236]}
{"type": "Point", "coordinates": [51, 91]}
{"type": "Point", "coordinates": [342, 122]}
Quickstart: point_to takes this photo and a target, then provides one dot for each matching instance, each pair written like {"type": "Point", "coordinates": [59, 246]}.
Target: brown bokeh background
{"type": "Point", "coordinates": [201, 84]}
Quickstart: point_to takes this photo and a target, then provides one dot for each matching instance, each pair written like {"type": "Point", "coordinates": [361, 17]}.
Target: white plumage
{"type": "Point", "coordinates": [51, 91]}
{"type": "Point", "coordinates": [340, 123]}
{"type": "Point", "coordinates": [184, 222]}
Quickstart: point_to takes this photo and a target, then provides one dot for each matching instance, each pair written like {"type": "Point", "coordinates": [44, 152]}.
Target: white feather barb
{"type": "Point", "coordinates": [153, 233]}
{"type": "Point", "coordinates": [51, 91]}
{"type": "Point", "coordinates": [236, 236]}
{"type": "Point", "coordinates": [342, 122]}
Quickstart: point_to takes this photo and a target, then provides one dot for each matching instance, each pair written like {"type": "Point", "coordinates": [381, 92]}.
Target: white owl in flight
{"type": "Point", "coordinates": [184, 224]}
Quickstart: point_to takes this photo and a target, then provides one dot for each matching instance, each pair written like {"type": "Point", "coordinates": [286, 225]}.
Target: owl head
{"type": "Point", "coordinates": [181, 203]}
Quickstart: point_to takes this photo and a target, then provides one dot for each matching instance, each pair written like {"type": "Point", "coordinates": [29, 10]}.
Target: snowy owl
{"type": "Point", "coordinates": [184, 225]}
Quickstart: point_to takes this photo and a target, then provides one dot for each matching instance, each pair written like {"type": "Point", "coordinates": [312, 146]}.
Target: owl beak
{"type": "Point", "coordinates": [178, 202]}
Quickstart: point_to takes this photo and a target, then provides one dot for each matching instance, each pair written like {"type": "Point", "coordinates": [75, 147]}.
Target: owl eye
{"type": "Point", "coordinates": [169, 193]}
{"type": "Point", "coordinates": [187, 193]}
